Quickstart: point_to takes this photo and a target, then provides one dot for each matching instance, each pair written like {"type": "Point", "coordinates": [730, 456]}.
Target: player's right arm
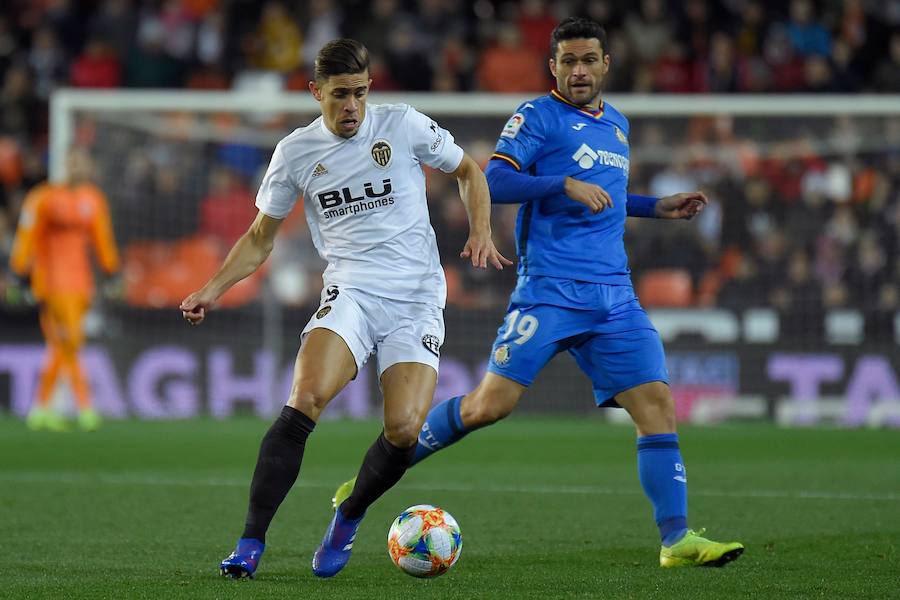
{"type": "Point", "coordinates": [434, 146]}
{"type": "Point", "coordinates": [102, 235]}
{"type": "Point", "coordinates": [510, 186]}
{"type": "Point", "coordinates": [27, 231]}
{"type": "Point", "coordinates": [277, 195]}
{"type": "Point", "coordinates": [521, 142]}
{"type": "Point", "coordinates": [247, 254]}
{"type": "Point", "coordinates": [591, 195]}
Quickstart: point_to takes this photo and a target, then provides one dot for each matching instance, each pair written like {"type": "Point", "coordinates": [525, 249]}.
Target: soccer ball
{"type": "Point", "coordinates": [424, 541]}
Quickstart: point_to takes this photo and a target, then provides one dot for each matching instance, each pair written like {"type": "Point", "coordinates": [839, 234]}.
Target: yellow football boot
{"type": "Point", "coordinates": [89, 420]}
{"type": "Point", "coordinates": [43, 418]}
{"type": "Point", "coordinates": [342, 493]}
{"type": "Point", "coordinates": [695, 551]}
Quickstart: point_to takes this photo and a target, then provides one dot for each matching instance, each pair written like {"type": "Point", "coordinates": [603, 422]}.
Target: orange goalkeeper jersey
{"type": "Point", "coordinates": [58, 226]}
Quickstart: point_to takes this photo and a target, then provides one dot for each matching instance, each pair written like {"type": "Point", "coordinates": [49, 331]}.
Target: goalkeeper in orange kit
{"type": "Point", "coordinates": [59, 225]}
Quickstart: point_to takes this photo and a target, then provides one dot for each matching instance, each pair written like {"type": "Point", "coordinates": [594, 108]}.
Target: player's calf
{"type": "Point", "coordinates": [494, 399]}
{"type": "Point", "coordinates": [451, 420]}
{"type": "Point", "coordinates": [383, 466]}
{"type": "Point", "coordinates": [480, 411]}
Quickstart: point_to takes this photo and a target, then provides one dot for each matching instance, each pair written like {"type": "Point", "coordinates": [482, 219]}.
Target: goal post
{"type": "Point", "coordinates": [65, 102]}
{"type": "Point", "coordinates": [777, 303]}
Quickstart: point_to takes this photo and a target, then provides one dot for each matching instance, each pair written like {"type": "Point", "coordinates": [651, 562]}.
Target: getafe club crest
{"type": "Point", "coordinates": [501, 355]}
{"type": "Point", "coordinates": [381, 153]}
{"type": "Point", "coordinates": [621, 136]}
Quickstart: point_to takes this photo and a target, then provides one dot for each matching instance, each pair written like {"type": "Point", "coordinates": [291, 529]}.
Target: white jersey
{"type": "Point", "coordinates": [364, 199]}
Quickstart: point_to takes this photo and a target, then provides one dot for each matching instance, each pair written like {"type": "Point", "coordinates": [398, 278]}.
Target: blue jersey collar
{"type": "Point", "coordinates": [556, 95]}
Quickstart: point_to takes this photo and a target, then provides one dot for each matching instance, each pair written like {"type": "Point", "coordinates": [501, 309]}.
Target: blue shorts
{"type": "Point", "coordinates": [602, 326]}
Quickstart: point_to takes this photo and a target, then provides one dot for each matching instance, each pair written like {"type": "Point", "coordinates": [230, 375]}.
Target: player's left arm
{"type": "Point", "coordinates": [102, 235]}
{"type": "Point", "coordinates": [434, 146]}
{"type": "Point", "coordinates": [685, 205]}
{"type": "Point", "coordinates": [473, 190]}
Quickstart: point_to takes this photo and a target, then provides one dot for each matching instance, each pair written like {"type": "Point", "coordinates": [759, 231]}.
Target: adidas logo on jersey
{"type": "Point", "coordinates": [319, 170]}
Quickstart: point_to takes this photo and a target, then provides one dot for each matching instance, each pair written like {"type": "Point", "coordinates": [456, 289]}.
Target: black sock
{"type": "Point", "coordinates": [277, 467]}
{"type": "Point", "coordinates": [383, 466]}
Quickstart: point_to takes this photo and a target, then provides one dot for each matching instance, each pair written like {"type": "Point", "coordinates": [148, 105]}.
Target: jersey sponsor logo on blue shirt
{"type": "Point", "coordinates": [587, 157]}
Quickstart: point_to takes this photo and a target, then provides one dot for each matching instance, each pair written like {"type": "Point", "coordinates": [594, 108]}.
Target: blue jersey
{"type": "Point", "coordinates": [556, 236]}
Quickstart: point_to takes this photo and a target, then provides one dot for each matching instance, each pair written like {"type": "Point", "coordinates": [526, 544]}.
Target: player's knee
{"type": "Point", "coordinates": [659, 411]}
{"type": "Point", "coordinates": [308, 402]}
{"type": "Point", "coordinates": [402, 435]}
{"type": "Point", "coordinates": [68, 350]}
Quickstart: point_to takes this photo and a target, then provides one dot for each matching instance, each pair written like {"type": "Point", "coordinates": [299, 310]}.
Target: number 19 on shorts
{"type": "Point", "coordinates": [523, 327]}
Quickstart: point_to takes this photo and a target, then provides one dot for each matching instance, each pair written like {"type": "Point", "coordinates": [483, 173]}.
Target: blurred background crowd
{"type": "Point", "coordinates": [805, 213]}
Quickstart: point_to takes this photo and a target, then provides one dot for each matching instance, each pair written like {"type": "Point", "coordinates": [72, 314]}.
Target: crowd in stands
{"type": "Point", "coordinates": [804, 220]}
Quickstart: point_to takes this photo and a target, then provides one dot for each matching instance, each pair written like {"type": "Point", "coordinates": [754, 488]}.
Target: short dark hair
{"type": "Point", "coordinates": [341, 57]}
{"type": "Point", "coordinates": [577, 28]}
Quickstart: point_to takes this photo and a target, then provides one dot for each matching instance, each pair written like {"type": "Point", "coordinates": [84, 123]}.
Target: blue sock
{"type": "Point", "coordinates": [664, 480]}
{"type": "Point", "coordinates": [443, 426]}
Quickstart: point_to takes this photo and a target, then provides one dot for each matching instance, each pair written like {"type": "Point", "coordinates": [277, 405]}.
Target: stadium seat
{"type": "Point", "coordinates": [159, 274]}
{"type": "Point", "coordinates": [665, 288]}
{"type": "Point", "coordinates": [708, 288]}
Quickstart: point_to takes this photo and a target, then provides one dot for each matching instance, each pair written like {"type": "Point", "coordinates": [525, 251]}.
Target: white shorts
{"type": "Point", "coordinates": [393, 330]}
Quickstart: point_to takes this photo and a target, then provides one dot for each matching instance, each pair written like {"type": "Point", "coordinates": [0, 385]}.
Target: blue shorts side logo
{"type": "Point", "coordinates": [501, 355]}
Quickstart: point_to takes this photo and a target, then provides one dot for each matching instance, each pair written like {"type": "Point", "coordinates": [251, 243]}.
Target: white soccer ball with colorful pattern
{"type": "Point", "coordinates": [424, 541]}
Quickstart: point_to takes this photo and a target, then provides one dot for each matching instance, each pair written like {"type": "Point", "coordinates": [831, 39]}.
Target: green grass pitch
{"type": "Point", "coordinates": [549, 508]}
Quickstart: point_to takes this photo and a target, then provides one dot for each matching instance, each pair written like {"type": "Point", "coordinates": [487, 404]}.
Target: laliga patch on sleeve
{"type": "Point", "coordinates": [513, 125]}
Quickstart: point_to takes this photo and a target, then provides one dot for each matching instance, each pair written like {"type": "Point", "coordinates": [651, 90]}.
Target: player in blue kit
{"type": "Point", "coordinates": [565, 157]}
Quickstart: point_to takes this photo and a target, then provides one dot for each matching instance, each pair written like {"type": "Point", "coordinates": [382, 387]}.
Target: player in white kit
{"type": "Point", "coordinates": [359, 172]}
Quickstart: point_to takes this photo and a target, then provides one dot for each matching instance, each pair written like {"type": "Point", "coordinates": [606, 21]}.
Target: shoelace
{"type": "Point", "coordinates": [698, 532]}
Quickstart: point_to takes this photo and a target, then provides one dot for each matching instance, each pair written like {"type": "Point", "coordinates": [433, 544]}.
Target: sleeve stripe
{"type": "Point", "coordinates": [508, 159]}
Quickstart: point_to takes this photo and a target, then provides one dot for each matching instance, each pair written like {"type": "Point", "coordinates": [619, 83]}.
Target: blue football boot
{"type": "Point", "coordinates": [334, 552]}
{"type": "Point", "coordinates": [244, 560]}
